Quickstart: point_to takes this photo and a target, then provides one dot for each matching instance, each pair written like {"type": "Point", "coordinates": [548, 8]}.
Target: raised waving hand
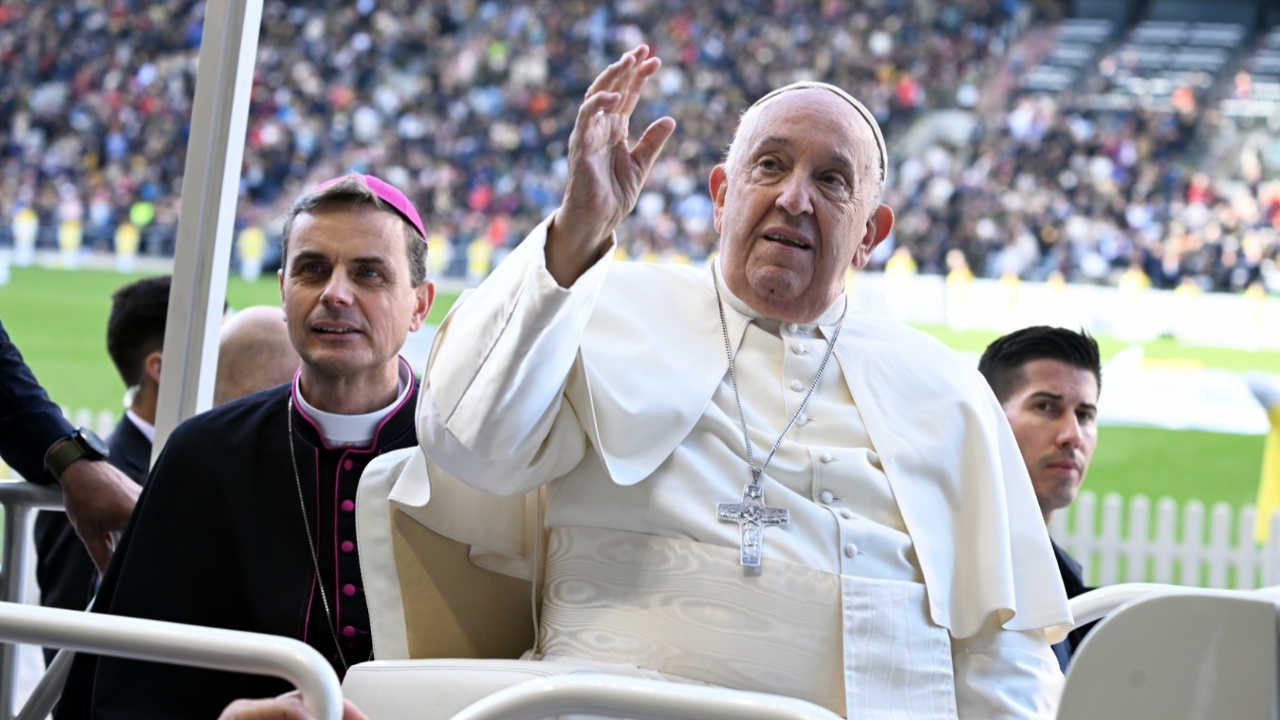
{"type": "Point", "coordinates": [606, 173]}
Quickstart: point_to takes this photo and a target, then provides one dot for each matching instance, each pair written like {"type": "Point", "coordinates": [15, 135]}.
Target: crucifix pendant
{"type": "Point", "coordinates": [752, 516]}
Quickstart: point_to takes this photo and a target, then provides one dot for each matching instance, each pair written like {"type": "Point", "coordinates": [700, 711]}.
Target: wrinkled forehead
{"type": "Point", "coordinates": [858, 108]}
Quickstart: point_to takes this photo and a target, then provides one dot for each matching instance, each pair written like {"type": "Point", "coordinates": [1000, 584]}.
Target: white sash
{"type": "Point", "coordinates": [686, 609]}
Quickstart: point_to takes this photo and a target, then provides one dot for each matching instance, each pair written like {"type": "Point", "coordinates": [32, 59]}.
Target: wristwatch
{"type": "Point", "coordinates": [82, 443]}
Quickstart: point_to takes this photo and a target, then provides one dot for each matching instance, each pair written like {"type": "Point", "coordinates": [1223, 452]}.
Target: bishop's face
{"type": "Point", "coordinates": [348, 298]}
{"type": "Point", "coordinates": [795, 211]}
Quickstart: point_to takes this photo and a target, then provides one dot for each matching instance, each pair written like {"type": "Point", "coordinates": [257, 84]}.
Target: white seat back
{"type": "Point", "coordinates": [426, 596]}
{"type": "Point", "coordinates": [1194, 654]}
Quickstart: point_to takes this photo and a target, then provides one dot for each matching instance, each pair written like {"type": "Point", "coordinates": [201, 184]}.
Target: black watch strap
{"type": "Point", "coordinates": [82, 443]}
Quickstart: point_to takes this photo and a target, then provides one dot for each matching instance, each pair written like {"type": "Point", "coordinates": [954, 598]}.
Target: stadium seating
{"type": "Point", "coordinates": [471, 116]}
{"type": "Point", "coordinates": [1077, 44]}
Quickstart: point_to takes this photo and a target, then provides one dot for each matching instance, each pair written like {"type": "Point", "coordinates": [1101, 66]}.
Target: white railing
{"type": "Point", "coordinates": [20, 499]}
{"type": "Point", "coordinates": [1131, 544]}
{"type": "Point", "coordinates": [640, 698]}
{"type": "Point", "coordinates": [203, 647]}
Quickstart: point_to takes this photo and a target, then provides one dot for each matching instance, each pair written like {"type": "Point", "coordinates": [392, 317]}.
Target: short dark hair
{"type": "Point", "coordinates": [135, 328]}
{"type": "Point", "coordinates": [352, 190]}
{"type": "Point", "coordinates": [1003, 361]}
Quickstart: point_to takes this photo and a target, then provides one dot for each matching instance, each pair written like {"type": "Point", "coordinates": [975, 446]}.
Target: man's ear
{"type": "Point", "coordinates": [424, 297]}
{"type": "Point", "coordinates": [719, 185]}
{"type": "Point", "coordinates": [878, 227]}
{"type": "Point", "coordinates": [151, 366]}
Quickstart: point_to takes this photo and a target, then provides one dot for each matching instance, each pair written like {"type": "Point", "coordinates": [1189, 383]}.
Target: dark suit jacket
{"type": "Point", "coordinates": [1073, 581]}
{"type": "Point", "coordinates": [64, 571]}
{"type": "Point", "coordinates": [29, 421]}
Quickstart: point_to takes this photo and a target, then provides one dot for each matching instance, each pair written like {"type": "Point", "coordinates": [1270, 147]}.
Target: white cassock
{"type": "Point", "coordinates": [915, 578]}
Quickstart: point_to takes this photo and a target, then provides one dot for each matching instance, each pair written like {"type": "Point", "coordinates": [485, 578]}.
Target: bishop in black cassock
{"type": "Point", "coordinates": [218, 539]}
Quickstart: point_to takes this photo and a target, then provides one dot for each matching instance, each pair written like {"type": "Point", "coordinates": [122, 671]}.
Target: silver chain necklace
{"type": "Point", "coordinates": [752, 514]}
{"type": "Point", "coordinates": [311, 543]}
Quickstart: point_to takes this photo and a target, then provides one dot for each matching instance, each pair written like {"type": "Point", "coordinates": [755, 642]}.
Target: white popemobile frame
{"type": "Point", "coordinates": [210, 189]}
{"type": "Point", "coordinates": [209, 193]}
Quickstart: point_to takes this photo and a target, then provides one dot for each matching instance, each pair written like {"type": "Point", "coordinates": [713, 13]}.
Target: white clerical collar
{"type": "Point", "coordinates": [143, 426]}
{"type": "Point", "coordinates": [828, 318]}
{"type": "Point", "coordinates": [353, 430]}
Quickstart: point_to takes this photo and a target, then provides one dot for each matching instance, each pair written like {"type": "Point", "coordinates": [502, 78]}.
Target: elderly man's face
{"type": "Point", "coordinates": [796, 211]}
{"type": "Point", "coordinates": [347, 293]}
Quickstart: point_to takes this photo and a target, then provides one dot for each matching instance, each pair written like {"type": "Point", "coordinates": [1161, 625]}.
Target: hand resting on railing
{"type": "Point", "coordinates": [286, 707]}
{"type": "Point", "coordinates": [98, 499]}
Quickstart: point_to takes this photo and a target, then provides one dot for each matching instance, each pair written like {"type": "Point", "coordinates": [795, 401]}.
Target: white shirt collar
{"type": "Point", "coordinates": [353, 430]}
{"type": "Point", "coordinates": [143, 426]}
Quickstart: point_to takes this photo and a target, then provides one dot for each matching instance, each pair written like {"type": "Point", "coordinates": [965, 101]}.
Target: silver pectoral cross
{"type": "Point", "coordinates": [752, 516]}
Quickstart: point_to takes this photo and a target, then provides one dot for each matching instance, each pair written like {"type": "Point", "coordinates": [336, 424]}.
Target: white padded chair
{"type": "Point", "coordinates": [451, 609]}
{"type": "Point", "coordinates": [450, 606]}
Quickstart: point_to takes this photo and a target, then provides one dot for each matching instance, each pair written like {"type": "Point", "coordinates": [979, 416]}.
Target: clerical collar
{"type": "Point", "coordinates": [143, 426]}
{"type": "Point", "coordinates": [352, 430]}
{"type": "Point", "coordinates": [827, 319]}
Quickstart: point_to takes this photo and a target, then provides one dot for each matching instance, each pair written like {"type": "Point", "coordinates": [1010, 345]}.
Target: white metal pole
{"type": "Point", "coordinates": [18, 498]}
{"type": "Point", "coordinates": [614, 696]}
{"type": "Point", "coordinates": [210, 187]}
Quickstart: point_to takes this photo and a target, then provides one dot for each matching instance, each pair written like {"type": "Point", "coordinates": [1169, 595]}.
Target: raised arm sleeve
{"type": "Point", "coordinates": [492, 410]}
{"type": "Point", "coordinates": [29, 421]}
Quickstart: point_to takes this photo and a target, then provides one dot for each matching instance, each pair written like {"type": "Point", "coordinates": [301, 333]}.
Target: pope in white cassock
{"type": "Point", "coordinates": [750, 483]}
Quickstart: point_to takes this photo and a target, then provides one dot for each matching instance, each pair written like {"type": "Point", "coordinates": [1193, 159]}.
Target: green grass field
{"type": "Point", "coordinates": [58, 319]}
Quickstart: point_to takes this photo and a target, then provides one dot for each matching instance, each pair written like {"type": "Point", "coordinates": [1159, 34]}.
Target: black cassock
{"type": "Point", "coordinates": [218, 539]}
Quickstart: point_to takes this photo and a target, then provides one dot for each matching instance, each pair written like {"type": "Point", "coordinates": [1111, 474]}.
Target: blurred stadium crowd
{"type": "Point", "coordinates": [467, 106]}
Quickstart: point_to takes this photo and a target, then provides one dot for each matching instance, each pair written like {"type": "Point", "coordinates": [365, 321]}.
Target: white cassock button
{"type": "Point", "coordinates": [826, 497]}
{"type": "Point", "coordinates": [826, 457]}
{"type": "Point", "coordinates": [846, 514]}
{"type": "Point", "coordinates": [850, 550]}
{"type": "Point", "coordinates": [797, 349]}
{"type": "Point", "coordinates": [793, 327]}
{"type": "Point", "coordinates": [797, 385]}
{"type": "Point", "coordinates": [802, 419]}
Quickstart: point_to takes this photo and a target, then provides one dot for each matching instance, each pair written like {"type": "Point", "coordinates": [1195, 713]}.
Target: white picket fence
{"type": "Point", "coordinates": [1129, 547]}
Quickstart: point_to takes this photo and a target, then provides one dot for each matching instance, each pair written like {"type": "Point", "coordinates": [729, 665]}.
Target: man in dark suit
{"type": "Point", "coordinates": [135, 341]}
{"type": "Point", "coordinates": [1047, 380]}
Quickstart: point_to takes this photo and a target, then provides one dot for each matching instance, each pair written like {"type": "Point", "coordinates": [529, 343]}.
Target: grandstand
{"type": "Point", "coordinates": [1093, 120]}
